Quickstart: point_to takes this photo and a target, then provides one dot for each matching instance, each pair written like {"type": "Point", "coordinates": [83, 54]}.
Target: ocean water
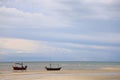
{"type": "Point", "coordinates": [66, 65]}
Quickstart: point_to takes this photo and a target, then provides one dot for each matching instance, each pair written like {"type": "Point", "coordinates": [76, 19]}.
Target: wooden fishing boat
{"type": "Point", "coordinates": [53, 68]}
{"type": "Point", "coordinates": [19, 66]}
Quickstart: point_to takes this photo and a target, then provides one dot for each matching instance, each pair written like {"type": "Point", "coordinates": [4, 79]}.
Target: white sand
{"type": "Point", "coordinates": [105, 74]}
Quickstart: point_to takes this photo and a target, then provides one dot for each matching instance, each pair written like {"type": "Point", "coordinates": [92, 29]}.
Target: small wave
{"type": "Point", "coordinates": [110, 68]}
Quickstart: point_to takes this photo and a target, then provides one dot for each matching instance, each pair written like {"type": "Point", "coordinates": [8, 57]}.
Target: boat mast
{"type": "Point", "coordinates": [50, 65]}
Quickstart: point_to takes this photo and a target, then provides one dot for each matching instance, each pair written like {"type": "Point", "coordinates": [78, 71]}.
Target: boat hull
{"type": "Point", "coordinates": [53, 69]}
{"type": "Point", "coordinates": [19, 68]}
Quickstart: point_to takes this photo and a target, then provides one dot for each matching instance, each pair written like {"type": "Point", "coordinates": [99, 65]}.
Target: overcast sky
{"type": "Point", "coordinates": [60, 30]}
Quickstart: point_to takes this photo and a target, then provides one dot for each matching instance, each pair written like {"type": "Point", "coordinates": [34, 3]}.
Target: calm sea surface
{"type": "Point", "coordinates": [66, 65]}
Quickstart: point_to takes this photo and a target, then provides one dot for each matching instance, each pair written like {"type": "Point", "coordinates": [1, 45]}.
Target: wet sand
{"type": "Point", "coordinates": [103, 74]}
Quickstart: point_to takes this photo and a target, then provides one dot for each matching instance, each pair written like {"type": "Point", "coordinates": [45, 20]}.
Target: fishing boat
{"type": "Point", "coordinates": [53, 68]}
{"type": "Point", "coordinates": [19, 66]}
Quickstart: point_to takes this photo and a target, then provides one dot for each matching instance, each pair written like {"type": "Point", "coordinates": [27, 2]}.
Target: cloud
{"type": "Point", "coordinates": [93, 9]}
{"type": "Point", "coordinates": [18, 44]}
{"type": "Point", "coordinates": [95, 47]}
{"type": "Point", "coordinates": [59, 27]}
{"type": "Point", "coordinates": [55, 13]}
{"type": "Point", "coordinates": [28, 46]}
{"type": "Point", "coordinates": [51, 35]}
{"type": "Point", "coordinates": [111, 38]}
{"type": "Point", "coordinates": [100, 1]}
{"type": "Point", "coordinates": [16, 48]}
{"type": "Point", "coordinates": [33, 46]}
{"type": "Point", "coordinates": [16, 18]}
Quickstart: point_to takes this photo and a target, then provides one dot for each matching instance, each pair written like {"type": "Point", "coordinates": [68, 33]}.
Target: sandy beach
{"type": "Point", "coordinates": [103, 74]}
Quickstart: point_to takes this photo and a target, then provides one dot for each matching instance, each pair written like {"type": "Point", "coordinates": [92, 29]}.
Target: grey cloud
{"type": "Point", "coordinates": [81, 9]}
{"type": "Point", "coordinates": [64, 21]}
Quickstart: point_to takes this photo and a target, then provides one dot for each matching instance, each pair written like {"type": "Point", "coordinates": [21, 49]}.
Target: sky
{"type": "Point", "coordinates": [59, 30]}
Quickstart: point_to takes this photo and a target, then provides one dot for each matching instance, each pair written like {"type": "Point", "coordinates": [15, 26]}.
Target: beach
{"type": "Point", "coordinates": [59, 39]}
{"type": "Point", "coordinates": [70, 71]}
{"type": "Point", "coordinates": [103, 74]}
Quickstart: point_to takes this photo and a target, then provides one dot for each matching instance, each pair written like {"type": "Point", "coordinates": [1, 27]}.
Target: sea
{"type": "Point", "coordinates": [66, 65]}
